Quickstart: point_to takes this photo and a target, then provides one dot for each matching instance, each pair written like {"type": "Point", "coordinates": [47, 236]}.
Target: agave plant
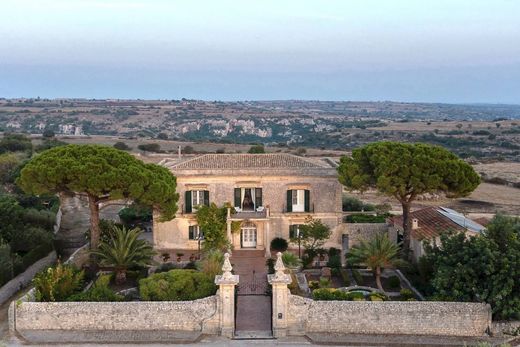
{"type": "Point", "coordinates": [377, 254]}
{"type": "Point", "coordinates": [123, 250]}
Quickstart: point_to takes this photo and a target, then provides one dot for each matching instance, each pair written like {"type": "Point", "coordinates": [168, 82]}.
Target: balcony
{"type": "Point", "coordinates": [248, 215]}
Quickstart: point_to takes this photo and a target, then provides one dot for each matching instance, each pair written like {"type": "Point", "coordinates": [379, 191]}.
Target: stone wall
{"type": "Point", "coordinates": [23, 279]}
{"type": "Point", "coordinates": [50, 322]}
{"type": "Point", "coordinates": [306, 316]}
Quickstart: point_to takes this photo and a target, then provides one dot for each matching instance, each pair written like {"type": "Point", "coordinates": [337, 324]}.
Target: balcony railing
{"type": "Point", "coordinates": [243, 215]}
{"type": "Point", "coordinates": [311, 210]}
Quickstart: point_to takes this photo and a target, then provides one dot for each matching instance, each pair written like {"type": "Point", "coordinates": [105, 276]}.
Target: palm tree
{"type": "Point", "coordinates": [123, 250]}
{"type": "Point", "coordinates": [377, 253]}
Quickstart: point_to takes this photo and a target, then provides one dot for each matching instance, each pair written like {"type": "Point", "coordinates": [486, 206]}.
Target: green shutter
{"type": "Point", "coordinates": [292, 231]}
{"type": "Point", "coordinates": [206, 197]}
{"type": "Point", "coordinates": [307, 201]}
{"type": "Point", "coordinates": [187, 201]}
{"type": "Point", "coordinates": [289, 201]}
{"type": "Point", "coordinates": [191, 232]}
{"type": "Point", "coordinates": [237, 197]}
{"type": "Point", "coordinates": [258, 197]}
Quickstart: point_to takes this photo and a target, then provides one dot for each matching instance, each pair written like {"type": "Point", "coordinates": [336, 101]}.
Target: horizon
{"type": "Point", "coordinates": [405, 51]}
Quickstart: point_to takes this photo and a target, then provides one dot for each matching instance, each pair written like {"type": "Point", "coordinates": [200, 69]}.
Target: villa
{"type": "Point", "coordinates": [272, 194]}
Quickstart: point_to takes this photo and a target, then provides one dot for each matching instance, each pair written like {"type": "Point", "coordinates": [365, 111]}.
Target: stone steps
{"type": "Point", "coordinates": [253, 335]}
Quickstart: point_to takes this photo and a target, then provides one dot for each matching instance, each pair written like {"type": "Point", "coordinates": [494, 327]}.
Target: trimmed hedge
{"type": "Point", "coordinates": [176, 285]}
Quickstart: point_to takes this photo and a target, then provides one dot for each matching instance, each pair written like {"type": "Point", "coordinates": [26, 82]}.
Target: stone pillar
{"type": "Point", "coordinates": [267, 239]}
{"type": "Point", "coordinates": [226, 282]}
{"type": "Point", "coordinates": [279, 282]}
{"type": "Point", "coordinates": [229, 231]}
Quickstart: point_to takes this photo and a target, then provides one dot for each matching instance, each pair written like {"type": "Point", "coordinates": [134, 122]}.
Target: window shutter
{"type": "Point", "coordinates": [289, 201]}
{"type": "Point", "coordinates": [206, 197]}
{"type": "Point", "coordinates": [258, 197]}
{"type": "Point", "coordinates": [187, 201]}
{"type": "Point", "coordinates": [191, 232]}
{"type": "Point", "coordinates": [292, 231]}
{"type": "Point", "coordinates": [237, 197]}
{"type": "Point", "coordinates": [307, 201]}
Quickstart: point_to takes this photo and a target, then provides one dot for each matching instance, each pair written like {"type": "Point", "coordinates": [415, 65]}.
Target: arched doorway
{"type": "Point", "coordinates": [248, 235]}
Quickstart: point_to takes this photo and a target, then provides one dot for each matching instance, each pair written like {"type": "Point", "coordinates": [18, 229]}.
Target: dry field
{"type": "Point", "coordinates": [504, 170]}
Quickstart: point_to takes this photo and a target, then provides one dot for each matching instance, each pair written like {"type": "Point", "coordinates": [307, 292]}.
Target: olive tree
{"type": "Point", "coordinates": [102, 174]}
{"type": "Point", "coordinates": [406, 171]}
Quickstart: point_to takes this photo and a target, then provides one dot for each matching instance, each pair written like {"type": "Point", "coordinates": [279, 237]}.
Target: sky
{"type": "Point", "coordinates": [455, 51]}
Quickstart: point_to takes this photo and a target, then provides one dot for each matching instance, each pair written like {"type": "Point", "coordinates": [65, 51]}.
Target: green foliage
{"type": "Point", "coordinates": [150, 147]}
{"type": "Point", "coordinates": [377, 297]}
{"type": "Point", "coordinates": [357, 277]}
{"type": "Point", "coordinates": [212, 220]}
{"type": "Point", "coordinates": [314, 285]}
{"type": "Point", "coordinates": [103, 173]}
{"type": "Point", "coordinates": [270, 262]}
{"type": "Point", "coordinates": [8, 164]}
{"type": "Point", "coordinates": [6, 264]}
{"type": "Point", "coordinates": [48, 144]}
{"type": "Point", "coordinates": [122, 146]}
{"type": "Point", "coordinates": [313, 233]}
{"type": "Point", "coordinates": [334, 261]}
{"type": "Point", "coordinates": [106, 229]}
{"type": "Point", "coordinates": [377, 254]}
{"type": "Point", "coordinates": [256, 149]}
{"type": "Point", "coordinates": [404, 171]}
{"type": "Point", "coordinates": [484, 268]}
{"type": "Point", "coordinates": [15, 143]}
{"type": "Point", "coordinates": [406, 294]}
{"type": "Point", "coordinates": [211, 263]}
{"type": "Point", "coordinates": [291, 260]}
{"type": "Point", "coordinates": [135, 213]}
{"type": "Point", "coordinates": [279, 244]}
{"type": "Point", "coordinates": [57, 283]}
{"type": "Point", "coordinates": [366, 218]}
{"type": "Point", "coordinates": [176, 285]}
{"type": "Point", "coordinates": [99, 292]}
{"type": "Point", "coordinates": [325, 282]}
{"type": "Point", "coordinates": [48, 133]}
{"type": "Point", "coordinates": [124, 250]}
{"type": "Point", "coordinates": [351, 203]}
{"type": "Point", "coordinates": [328, 294]}
{"type": "Point", "coordinates": [345, 277]}
{"type": "Point", "coordinates": [394, 282]}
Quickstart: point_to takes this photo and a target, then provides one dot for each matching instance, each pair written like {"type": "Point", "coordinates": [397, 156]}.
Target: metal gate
{"type": "Point", "coordinates": [257, 285]}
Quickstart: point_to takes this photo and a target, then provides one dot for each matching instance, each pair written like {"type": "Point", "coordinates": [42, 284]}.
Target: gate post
{"type": "Point", "coordinates": [226, 282]}
{"type": "Point", "coordinates": [279, 282]}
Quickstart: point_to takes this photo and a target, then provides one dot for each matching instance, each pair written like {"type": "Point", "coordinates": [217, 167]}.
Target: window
{"type": "Point", "coordinates": [248, 199]}
{"type": "Point", "coordinates": [195, 198]}
{"type": "Point", "coordinates": [294, 231]}
{"type": "Point", "coordinates": [298, 200]}
{"type": "Point", "coordinates": [195, 233]}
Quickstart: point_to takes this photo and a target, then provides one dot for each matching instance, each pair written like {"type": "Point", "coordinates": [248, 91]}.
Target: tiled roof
{"type": "Point", "coordinates": [432, 221]}
{"type": "Point", "coordinates": [246, 161]}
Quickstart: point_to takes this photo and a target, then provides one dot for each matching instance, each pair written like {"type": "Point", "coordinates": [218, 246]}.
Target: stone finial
{"type": "Point", "coordinates": [226, 268]}
{"type": "Point", "coordinates": [279, 267]}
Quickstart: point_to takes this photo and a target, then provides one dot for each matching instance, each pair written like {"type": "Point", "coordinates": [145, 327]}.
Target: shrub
{"type": "Point", "coordinates": [366, 218]}
{"type": "Point", "coordinates": [351, 203]}
{"type": "Point", "coordinates": [57, 283]}
{"type": "Point", "coordinates": [324, 282]}
{"type": "Point", "coordinates": [314, 285]}
{"type": "Point", "coordinates": [406, 294]}
{"type": "Point", "coordinates": [121, 146]}
{"type": "Point", "coordinates": [176, 285]}
{"type": "Point", "coordinates": [333, 252]}
{"type": "Point", "coordinates": [345, 277]}
{"type": "Point", "coordinates": [334, 262]}
{"type": "Point", "coordinates": [394, 282]}
{"type": "Point", "coordinates": [279, 244]}
{"type": "Point", "coordinates": [150, 147]}
{"type": "Point", "coordinates": [256, 149]}
{"type": "Point", "coordinates": [327, 294]}
{"type": "Point", "coordinates": [270, 265]}
{"type": "Point", "coordinates": [355, 296]}
{"type": "Point", "coordinates": [377, 297]}
{"type": "Point", "coordinates": [357, 277]}
{"type": "Point", "coordinates": [100, 291]}
{"type": "Point", "coordinates": [6, 264]}
{"type": "Point", "coordinates": [211, 263]}
{"type": "Point", "coordinates": [291, 260]}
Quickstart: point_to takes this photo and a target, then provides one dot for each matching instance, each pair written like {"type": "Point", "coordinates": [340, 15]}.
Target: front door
{"type": "Point", "coordinates": [248, 236]}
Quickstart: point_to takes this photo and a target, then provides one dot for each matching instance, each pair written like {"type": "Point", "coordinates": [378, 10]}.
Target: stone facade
{"type": "Point", "coordinates": [307, 316]}
{"type": "Point", "coordinates": [275, 174]}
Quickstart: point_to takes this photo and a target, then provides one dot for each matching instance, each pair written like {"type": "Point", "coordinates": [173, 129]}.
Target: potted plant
{"type": "Point", "coordinates": [192, 257]}
{"type": "Point", "coordinates": [179, 257]}
{"type": "Point", "coordinates": [165, 257]}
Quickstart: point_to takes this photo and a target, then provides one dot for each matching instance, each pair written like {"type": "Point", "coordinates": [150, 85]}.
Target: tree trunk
{"type": "Point", "coordinates": [378, 279]}
{"type": "Point", "coordinates": [120, 276]}
{"type": "Point", "coordinates": [407, 229]}
{"type": "Point", "coordinates": [94, 222]}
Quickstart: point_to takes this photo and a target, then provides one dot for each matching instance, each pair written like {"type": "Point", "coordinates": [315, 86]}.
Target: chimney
{"type": "Point", "coordinates": [415, 224]}
{"type": "Point", "coordinates": [179, 152]}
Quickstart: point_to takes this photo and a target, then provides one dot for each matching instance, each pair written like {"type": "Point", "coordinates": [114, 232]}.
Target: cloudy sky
{"type": "Point", "coordinates": [403, 50]}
